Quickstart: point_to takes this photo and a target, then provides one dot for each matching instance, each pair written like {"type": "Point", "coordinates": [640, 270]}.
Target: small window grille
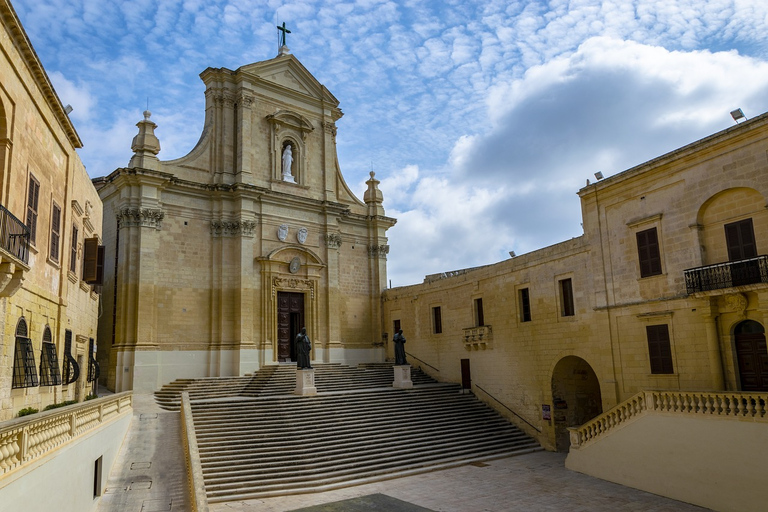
{"type": "Point", "coordinates": [49, 363]}
{"type": "Point", "coordinates": [93, 364]}
{"type": "Point", "coordinates": [24, 368]}
{"type": "Point", "coordinates": [71, 369]}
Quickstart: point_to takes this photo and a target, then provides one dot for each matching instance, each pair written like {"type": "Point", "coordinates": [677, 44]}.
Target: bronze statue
{"type": "Point", "coordinates": [303, 347]}
{"type": "Point", "coordinates": [399, 340]}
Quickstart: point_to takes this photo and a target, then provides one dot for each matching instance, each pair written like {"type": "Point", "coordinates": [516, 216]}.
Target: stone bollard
{"type": "Point", "coordinates": [305, 382]}
{"type": "Point", "coordinates": [403, 377]}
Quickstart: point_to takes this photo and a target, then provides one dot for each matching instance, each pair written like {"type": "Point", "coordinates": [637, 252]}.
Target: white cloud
{"type": "Point", "coordinates": [77, 95]}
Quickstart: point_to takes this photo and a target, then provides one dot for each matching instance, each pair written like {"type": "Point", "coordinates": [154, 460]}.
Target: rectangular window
{"type": "Point", "coordinates": [740, 238]}
{"type": "Point", "coordinates": [659, 350]}
{"type": "Point", "coordinates": [566, 297]}
{"type": "Point", "coordinates": [55, 231]}
{"type": "Point", "coordinates": [396, 326]}
{"type": "Point", "coordinates": [525, 305]}
{"type": "Point", "coordinates": [32, 200]}
{"type": "Point", "coordinates": [437, 320]}
{"type": "Point", "coordinates": [648, 252]}
{"type": "Point", "coordinates": [479, 316]}
{"type": "Point", "coordinates": [73, 251]}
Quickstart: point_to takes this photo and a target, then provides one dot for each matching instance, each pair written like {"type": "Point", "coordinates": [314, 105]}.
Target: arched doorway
{"type": "Point", "coordinates": [752, 356]}
{"type": "Point", "coordinates": [576, 397]}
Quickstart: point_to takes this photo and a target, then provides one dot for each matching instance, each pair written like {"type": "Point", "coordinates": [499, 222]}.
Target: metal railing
{"type": "Point", "coordinates": [727, 275]}
{"type": "Point", "coordinates": [537, 429]}
{"type": "Point", "coordinates": [14, 235]}
{"type": "Point", "coordinates": [408, 354]}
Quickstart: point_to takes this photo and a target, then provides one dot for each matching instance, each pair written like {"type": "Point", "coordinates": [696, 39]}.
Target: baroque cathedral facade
{"type": "Point", "coordinates": [216, 260]}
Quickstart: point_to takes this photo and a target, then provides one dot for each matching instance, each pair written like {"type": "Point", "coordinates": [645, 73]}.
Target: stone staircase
{"type": "Point", "coordinates": [272, 445]}
{"type": "Point", "coordinates": [281, 380]}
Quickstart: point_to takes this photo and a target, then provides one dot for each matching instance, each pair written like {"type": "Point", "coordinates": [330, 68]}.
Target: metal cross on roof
{"type": "Point", "coordinates": [284, 31]}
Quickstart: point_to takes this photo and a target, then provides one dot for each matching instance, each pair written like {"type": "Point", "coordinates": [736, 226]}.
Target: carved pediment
{"type": "Point", "coordinates": [286, 71]}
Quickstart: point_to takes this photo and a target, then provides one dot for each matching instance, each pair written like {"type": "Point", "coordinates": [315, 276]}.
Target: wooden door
{"type": "Point", "coordinates": [466, 377]}
{"type": "Point", "coordinates": [290, 320]}
{"type": "Point", "coordinates": [752, 356]}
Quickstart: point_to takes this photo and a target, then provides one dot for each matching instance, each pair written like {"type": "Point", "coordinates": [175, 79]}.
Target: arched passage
{"type": "Point", "coordinates": [576, 397]}
{"type": "Point", "coordinates": [752, 355]}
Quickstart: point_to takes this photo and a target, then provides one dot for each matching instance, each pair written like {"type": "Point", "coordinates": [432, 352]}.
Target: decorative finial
{"type": "Point", "coordinates": [147, 115]}
{"type": "Point", "coordinates": [372, 174]}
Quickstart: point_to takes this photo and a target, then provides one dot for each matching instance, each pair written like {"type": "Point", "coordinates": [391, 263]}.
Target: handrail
{"type": "Point", "coordinates": [197, 494]}
{"type": "Point", "coordinates": [25, 439]}
{"type": "Point", "coordinates": [741, 405]}
{"type": "Point", "coordinates": [421, 361]}
{"type": "Point", "coordinates": [537, 429]}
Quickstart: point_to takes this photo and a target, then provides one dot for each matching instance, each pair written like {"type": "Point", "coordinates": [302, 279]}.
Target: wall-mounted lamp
{"type": "Point", "coordinates": [512, 254]}
{"type": "Point", "coordinates": [738, 114]}
{"type": "Point", "coordinates": [598, 175]}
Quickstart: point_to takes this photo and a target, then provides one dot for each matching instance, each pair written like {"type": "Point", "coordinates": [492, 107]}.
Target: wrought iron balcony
{"type": "Point", "coordinates": [14, 236]}
{"type": "Point", "coordinates": [727, 275]}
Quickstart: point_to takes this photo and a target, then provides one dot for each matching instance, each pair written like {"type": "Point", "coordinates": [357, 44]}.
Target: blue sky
{"type": "Point", "coordinates": [481, 118]}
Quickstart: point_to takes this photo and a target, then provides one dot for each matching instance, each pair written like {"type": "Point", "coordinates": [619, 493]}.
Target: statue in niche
{"type": "Point", "coordinates": [287, 162]}
{"type": "Point", "coordinates": [399, 340]}
{"type": "Point", "coordinates": [303, 347]}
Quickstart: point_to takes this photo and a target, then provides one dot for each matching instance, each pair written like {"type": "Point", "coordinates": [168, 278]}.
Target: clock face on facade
{"type": "Point", "coordinates": [295, 265]}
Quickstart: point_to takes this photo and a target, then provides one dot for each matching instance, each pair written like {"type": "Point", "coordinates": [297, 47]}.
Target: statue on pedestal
{"type": "Point", "coordinates": [287, 162]}
{"type": "Point", "coordinates": [303, 348]}
{"type": "Point", "coordinates": [399, 340]}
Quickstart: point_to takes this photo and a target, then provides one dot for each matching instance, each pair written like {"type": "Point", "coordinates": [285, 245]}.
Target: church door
{"type": "Point", "coordinates": [752, 356]}
{"type": "Point", "coordinates": [290, 320]}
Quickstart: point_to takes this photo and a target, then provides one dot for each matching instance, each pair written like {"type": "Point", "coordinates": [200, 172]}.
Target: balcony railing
{"type": "Point", "coordinates": [14, 235]}
{"type": "Point", "coordinates": [727, 275]}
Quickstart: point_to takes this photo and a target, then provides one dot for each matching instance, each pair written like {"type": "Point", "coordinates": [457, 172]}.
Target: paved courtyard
{"type": "Point", "coordinates": [534, 482]}
{"type": "Point", "coordinates": [149, 476]}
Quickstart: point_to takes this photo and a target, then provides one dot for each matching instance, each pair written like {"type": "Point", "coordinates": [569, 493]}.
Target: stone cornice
{"type": "Point", "coordinates": [24, 46]}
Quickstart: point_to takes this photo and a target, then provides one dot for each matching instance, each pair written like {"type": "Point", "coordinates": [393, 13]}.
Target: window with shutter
{"type": "Point", "coordinates": [525, 305]}
{"type": "Point", "coordinates": [659, 350]}
{"type": "Point", "coordinates": [566, 298]}
{"type": "Point", "coordinates": [71, 369]}
{"type": "Point", "coordinates": [437, 320]}
{"type": "Point", "coordinates": [55, 232]}
{"type": "Point", "coordinates": [73, 251]}
{"type": "Point", "coordinates": [93, 261]}
{"type": "Point", "coordinates": [740, 238]}
{"type": "Point", "coordinates": [648, 252]}
{"type": "Point", "coordinates": [32, 200]}
{"type": "Point", "coordinates": [49, 363]}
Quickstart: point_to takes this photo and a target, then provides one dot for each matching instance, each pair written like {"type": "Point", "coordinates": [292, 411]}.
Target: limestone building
{"type": "Point", "coordinates": [667, 289]}
{"type": "Point", "coordinates": [217, 259]}
{"type": "Point", "coordinates": [50, 215]}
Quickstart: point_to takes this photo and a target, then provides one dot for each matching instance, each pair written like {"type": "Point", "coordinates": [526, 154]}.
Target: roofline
{"type": "Point", "coordinates": [679, 153]}
{"type": "Point", "coordinates": [19, 37]}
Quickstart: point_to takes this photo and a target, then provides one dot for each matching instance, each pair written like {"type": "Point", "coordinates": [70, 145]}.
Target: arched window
{"type": "Point", "coordinates": [24, 370]}
{"type": "Point", "coordinates": [50, 374]}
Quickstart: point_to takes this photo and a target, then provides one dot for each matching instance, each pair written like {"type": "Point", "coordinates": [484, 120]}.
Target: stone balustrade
{"type": "Point", "coordinates": [736, 405]}
{"type": "Point", "coordinates": [25, 439]}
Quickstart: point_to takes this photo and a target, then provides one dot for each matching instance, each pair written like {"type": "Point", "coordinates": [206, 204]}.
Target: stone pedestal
{"type": "Point", "coordinates": [305, 382]}
{"type": "Point", "coordinates": [403, 377]}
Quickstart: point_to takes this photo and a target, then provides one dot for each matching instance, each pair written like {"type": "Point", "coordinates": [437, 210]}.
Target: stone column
{"type": "Point", "coordinates": [710, 314]}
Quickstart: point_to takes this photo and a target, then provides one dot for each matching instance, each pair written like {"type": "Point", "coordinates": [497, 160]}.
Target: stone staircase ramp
{"type": "Point", "coordinates": [169, 396]}
{"type": "Point", "coordinates": [269, 446]}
